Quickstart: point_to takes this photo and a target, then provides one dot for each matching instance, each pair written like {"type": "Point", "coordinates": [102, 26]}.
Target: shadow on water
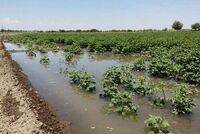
{"type": "Point", "coordinates": [87, 111]}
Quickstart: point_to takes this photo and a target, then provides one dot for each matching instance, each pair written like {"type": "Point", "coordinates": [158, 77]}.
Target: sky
{"type": "Point", "coordinates": [99, 14]}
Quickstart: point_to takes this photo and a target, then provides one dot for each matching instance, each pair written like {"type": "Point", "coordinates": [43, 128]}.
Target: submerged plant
{"type": "Point", "coordinates": [30, 53]}
{"type": "Point", "coordinates": [157, 125]}
{"type": "Point", "coordinates": [114, 77]}
{"type": "Point", "coordinates": [143, 86]}
{"type": "Point", "coordinates": [44, 60]}
{"type": "Point", "coordinates": [69, 56]}
{"type": "Point", "coordinates": [160, 101]}
{"type": "Point", "coordinates": [83, 80]}
{"type": "Point", "coordinates": [111, 90]}
{"type": "Point", "coordinates": [123, 103]}
{"type": "Point", "coordinates": [122, 76]}
{"type": "Point", "coordinates": [42, 50]}
{"type": "Point", "coordinates": [183, 101]}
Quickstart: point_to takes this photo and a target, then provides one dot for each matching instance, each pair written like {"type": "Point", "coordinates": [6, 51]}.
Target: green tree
{"type": "Point", "coordinates": [195, 26]}
{"type": "Point", "coordinates": [177, 25]}
{"type": "Point", "coordinates": [94, 30]}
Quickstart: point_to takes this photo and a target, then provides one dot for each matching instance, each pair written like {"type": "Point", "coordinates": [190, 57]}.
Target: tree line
{"type": "Point", "coordinates": [177, 25]}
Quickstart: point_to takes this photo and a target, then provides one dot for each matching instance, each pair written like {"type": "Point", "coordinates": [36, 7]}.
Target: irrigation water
{"type": "Point", "coordinates": [86, 111]}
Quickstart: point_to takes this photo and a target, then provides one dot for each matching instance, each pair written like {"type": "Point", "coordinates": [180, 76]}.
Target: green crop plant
{"type": "Point", "coordinates": [114, 77]}
{"type": "Point", "coordinates": [69, 42]}
{"type": "Point", "coordinates": [139, 64]}
{"type": "Point", "coordinates": [84, 80]}
{"type": "Point", "coordinates": [122, 76]}
{"type": "Point", "coordinates": [44, 60]}
{"type": "Point", "coordinates": [161, 100]}
{"type": "Point", "coordinates": [123, 103]}
{"type": "Point", "coordinates": [162, 65]}
{"type": "Point", "coordinates": [183, 102]}
{"type": "Point", "coordinates": [157, 125]}
{"type": "Point", "coordinates": [143, 86]}
{"type": "Point", "coordinates": [74, 49]}
{"type": "Point", "coordinates": [30, 52]}
{"type": "Point", "coordinates": [171, 55]}
{"type": "Point", "coordinates": [69, 56]}
{"type": "Point", "coordinates": [83, 43]}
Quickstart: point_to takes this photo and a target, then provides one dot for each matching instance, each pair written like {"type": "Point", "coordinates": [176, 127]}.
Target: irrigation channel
{"type": "Point", "coordinates": [86, 111]}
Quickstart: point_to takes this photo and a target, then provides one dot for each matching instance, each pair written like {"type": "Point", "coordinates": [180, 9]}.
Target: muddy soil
{"type": "Point", "coordinates": [22, 110]}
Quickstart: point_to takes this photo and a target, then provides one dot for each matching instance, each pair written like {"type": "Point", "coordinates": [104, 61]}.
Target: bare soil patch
{"type": "Point", "coordinates": [22, 110]}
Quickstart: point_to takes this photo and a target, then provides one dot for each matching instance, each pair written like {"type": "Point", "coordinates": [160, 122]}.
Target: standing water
{"type": "Point", "coordinates": [87, 111]}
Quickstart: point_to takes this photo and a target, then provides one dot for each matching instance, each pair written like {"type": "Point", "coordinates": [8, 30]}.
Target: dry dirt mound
{"type": "Point", "coordinates": [22, 110]}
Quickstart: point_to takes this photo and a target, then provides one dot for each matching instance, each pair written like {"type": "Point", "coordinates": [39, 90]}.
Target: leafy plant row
{"type": "Point", "coordinates": [120, 84]}
{"type": "Point", "coordinates": [121, 102]}
{"type": "Point", "coordinates": [171, 54]}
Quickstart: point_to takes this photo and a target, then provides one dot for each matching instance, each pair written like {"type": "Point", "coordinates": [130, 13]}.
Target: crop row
{"type": "Point", "coordinates": [122, 101]}
{"type": "Point", "coordinates": [170, 54]}
{"type": "Point", "coordinates": [120, 84]}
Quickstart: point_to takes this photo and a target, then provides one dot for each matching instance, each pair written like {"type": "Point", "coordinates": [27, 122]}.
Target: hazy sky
{"type": "Point", "coordinates": [100, 14]}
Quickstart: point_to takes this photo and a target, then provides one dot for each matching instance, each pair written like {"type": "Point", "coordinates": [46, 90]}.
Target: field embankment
{"type": "Point", "coordinates": [22, 110]}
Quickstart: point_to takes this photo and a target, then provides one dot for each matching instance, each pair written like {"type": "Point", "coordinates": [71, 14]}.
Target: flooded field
{"type": "Point", "coordinates": [86, 111]}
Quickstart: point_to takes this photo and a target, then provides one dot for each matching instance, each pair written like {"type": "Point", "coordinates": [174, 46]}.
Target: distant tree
{"type": "Point", "coordinates": [195, 26]}
{"type": "Point", "coordinates": [177, 25]}
{"type": "Point", "coordinates": [93, 30]}
{"type": "Point", "coordinates": [3, 30]}
{"type": "Point", "coordinates": [61, 30]}
{"type": "Point", "coordinates": [114, 30]}
{"type": "Point", "coordinates": [78, 30]}
{"type": "Point", "coordinates": [123, 30]}
{"type": "Point", "coordinates": [165, 29]}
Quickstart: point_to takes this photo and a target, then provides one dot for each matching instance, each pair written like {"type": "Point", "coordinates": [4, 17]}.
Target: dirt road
{"type": "Point", "coordinates": [22, 110]}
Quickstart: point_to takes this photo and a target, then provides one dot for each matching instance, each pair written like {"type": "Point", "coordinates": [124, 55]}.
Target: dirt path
{"type": "Point", "coordinates": [22, 110]}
